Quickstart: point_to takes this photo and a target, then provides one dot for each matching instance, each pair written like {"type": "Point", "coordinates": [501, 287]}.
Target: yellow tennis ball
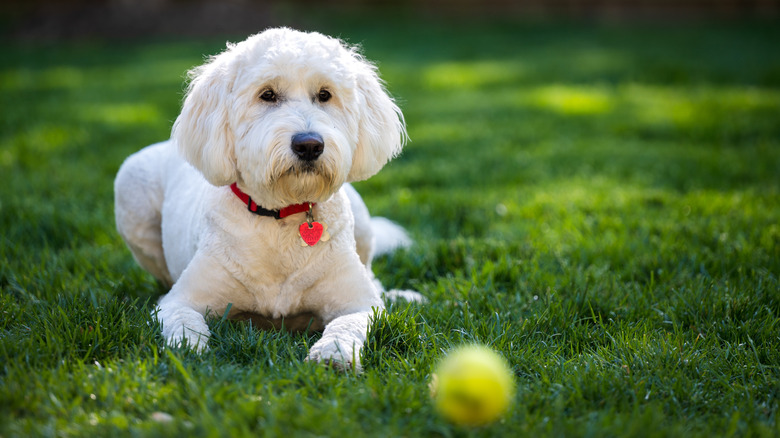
{"type": "Point", "coordinates": [472, 386]}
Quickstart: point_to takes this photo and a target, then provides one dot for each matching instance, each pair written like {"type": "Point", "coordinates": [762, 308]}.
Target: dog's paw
{"type": "Point", "coordinates": [183, 327]}
{"type": "Point", "coordinates": [335, 354]}
{"type": "Point", "coordinates": [194, 335]}
{"type": "Point", "coordinates": [404, 295]}
{"type": "Point", "coordinates": [195, 340]}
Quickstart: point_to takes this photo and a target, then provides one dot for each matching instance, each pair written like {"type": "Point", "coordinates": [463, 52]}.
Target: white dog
{"type": "Point", "coordinates": [246, 209]}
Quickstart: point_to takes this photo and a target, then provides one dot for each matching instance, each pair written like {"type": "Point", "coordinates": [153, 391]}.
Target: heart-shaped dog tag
{"type": "Point", "coordinates": [311, 232]}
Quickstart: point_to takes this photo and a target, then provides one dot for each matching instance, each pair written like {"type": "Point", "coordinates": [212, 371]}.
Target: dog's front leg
{"type": "Point", "coordinates": [342, 341]}
{"type": "Point", "coordinates": [203, 286]}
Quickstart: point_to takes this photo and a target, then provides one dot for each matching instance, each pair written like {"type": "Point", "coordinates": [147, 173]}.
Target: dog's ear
{"type": "Point", "coordinates": [201, 132]}
{"type": "Point", "coordinates": [381, 128]}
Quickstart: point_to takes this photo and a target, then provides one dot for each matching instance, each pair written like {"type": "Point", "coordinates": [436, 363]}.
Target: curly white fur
{"type": "Point", "coordinates": [185, 226]}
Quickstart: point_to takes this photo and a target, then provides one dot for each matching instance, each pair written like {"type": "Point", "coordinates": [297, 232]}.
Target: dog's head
{"type": "Point", "coordinates": [290, 116]}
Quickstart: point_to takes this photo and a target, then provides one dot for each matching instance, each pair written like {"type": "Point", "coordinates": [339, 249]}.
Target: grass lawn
{"type": "Point", "coordinates": [600, 204]}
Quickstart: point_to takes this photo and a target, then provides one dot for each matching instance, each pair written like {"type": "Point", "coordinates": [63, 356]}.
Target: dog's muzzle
{"type": "Point", "coordinates": [308, 146]}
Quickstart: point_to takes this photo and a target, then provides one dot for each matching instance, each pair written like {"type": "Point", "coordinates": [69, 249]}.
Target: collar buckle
{"type": "Point", "coordinates": [276, 214]}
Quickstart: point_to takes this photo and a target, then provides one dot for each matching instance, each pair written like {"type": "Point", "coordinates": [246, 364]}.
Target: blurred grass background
{"type": "Point", "coordinates": [597, 199]}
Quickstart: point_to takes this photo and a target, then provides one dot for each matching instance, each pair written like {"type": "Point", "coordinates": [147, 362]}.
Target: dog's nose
{"type": "Point", "coordinates": [307, 146]}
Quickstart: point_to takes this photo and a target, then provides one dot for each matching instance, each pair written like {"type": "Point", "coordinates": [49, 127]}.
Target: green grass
{"type": "Point", "coordinates": [600, 204]}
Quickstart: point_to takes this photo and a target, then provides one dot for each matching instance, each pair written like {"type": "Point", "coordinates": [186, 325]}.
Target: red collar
{"type": "Point", "coordinates": [278, 214]}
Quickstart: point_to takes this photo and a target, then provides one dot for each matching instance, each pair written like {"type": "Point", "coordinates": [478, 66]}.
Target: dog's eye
{"type": "Point", "coordinates": [268, 96]}
{"type": "Point", "coordinates": [324, 95]}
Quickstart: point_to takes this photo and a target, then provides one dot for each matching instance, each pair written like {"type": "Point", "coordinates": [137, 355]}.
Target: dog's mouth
{"type": "Point", "coordinates": [304, 182]}
{"type": "Point", "coordinates": [303, 168]}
